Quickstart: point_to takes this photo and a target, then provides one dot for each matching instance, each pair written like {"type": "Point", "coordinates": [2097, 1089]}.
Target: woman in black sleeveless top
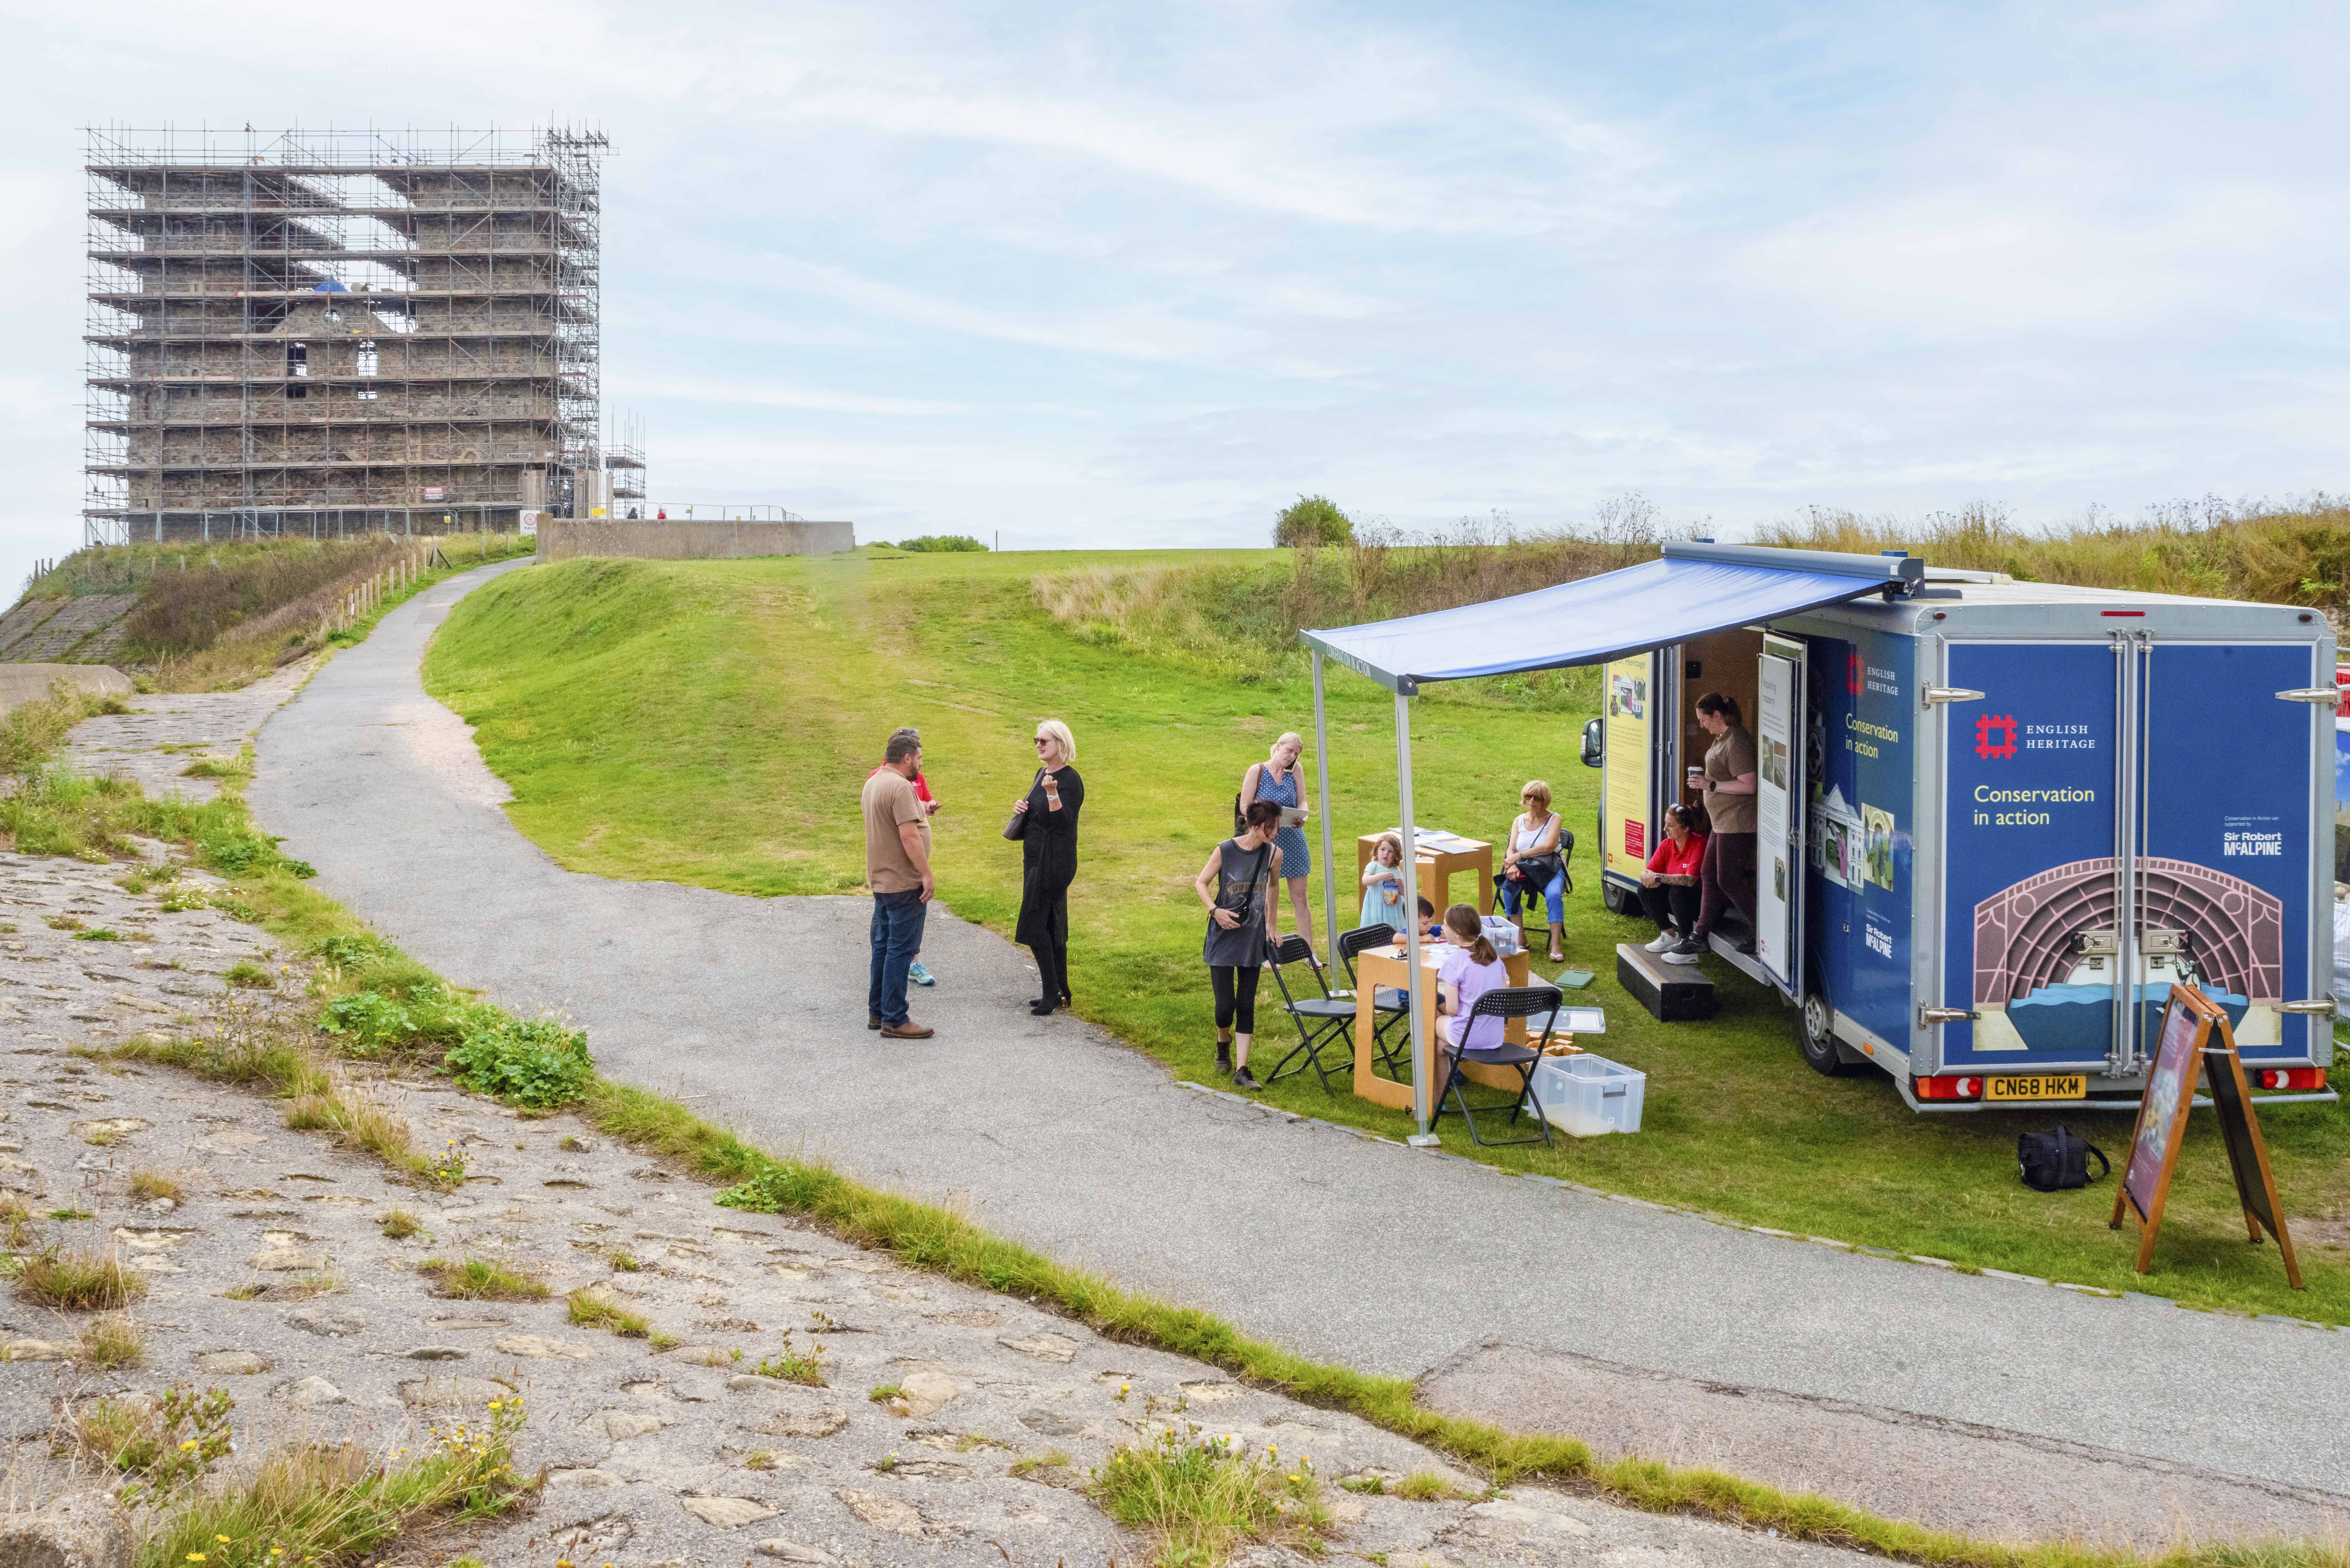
{"type": "Point", "coordinates": [1236, 884]}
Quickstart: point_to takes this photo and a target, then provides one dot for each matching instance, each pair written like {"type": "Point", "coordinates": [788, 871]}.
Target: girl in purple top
{"type": "Point", "coordinates": [1471, 970]}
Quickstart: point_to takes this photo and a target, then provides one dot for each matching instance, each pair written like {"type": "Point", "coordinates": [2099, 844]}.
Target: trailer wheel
{"type": "Point", "coordinates": [1817, 1037]}
{"type": "Point", "coordinates": [1618, 900]}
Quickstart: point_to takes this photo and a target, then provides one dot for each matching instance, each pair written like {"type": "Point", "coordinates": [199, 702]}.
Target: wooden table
{"type": "Point", "coordinates": [1436, 869]}
{"type": "Point", "coordinates": [1379, 968]}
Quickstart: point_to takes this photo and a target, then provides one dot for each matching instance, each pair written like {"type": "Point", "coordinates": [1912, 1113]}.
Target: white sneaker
{"type": "Point", "coordinates": [1664, 941]}
{"type": "Point", "coordinates": [1684, 952]}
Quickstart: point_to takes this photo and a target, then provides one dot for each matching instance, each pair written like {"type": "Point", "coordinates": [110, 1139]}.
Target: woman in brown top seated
{"type": "Point", "coordinates": [1728, 792]}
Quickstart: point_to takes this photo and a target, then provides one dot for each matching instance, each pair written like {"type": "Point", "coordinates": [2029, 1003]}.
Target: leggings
{"type": "Point", "coordinates": [1727, 876]}
{"type": "Point", "coordinates": [1672, 905]}
{"type": "Point", "coordinates": [1235, 995]}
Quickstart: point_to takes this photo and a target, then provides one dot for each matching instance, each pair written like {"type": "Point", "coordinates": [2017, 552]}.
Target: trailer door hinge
{"type": "Point", "coordinates": [2314, 695]}
{"type": "Point", "coordinates": [2318, 1008]}
{"type": "Point", "coordinates": [1930, 1016]}
{"type": "Point", "coordinates": [1951, 694]}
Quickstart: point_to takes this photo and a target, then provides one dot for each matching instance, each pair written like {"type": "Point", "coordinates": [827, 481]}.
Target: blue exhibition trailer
{"type": "Point", "coordinates": [1996, 819]}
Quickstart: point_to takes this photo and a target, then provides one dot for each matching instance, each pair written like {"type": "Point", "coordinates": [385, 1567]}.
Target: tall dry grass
{"type": "Point", "coordinates": [1243, 621]}
{"type": "Point", "coordinates": [2296, 555]}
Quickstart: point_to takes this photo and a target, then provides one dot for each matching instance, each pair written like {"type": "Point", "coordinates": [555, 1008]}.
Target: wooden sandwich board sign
{"type": "Point", "coordinates": [2196, 1041]}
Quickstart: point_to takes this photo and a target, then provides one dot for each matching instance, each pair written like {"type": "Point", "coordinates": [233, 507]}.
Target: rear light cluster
{"type": "Point", "coordinates": [2288, 1078]}
{"type": "Point", "coordinates": [1948, 1086]}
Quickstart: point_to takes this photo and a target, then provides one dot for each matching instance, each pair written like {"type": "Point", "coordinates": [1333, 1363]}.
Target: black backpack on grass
{"type": "Point", "coordinates": [2057, 1160]}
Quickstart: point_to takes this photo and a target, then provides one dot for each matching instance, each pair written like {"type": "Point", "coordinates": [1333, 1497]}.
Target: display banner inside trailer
{"type": "Point", "coordinates": [1776, 873]}
{"type": "Point", "coordinates": [2228, 875]}
{"type": "Point", "coordinates": [2029, 874]}
{"type": "Point", "coordinates": [1624, 813]}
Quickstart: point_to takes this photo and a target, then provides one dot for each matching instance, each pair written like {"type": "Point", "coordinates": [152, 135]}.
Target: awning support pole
{"type": "Point", "coordinates": [1322, 783]}
{"type": "Point", "coordinates": [1423, 1138]}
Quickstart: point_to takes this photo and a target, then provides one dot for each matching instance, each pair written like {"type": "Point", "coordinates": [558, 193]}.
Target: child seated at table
{"type": "Point", "coordinates": [1471, 970]}
{"type": "Point", "coordinates": [1430, 929]}
{"type": "Point", "coordinates": [1383, 886]}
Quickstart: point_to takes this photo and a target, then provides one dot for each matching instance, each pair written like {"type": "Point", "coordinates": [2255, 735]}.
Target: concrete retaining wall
{"type": "Point", "coordinates": [21, 683]}
{"type": "Point", "coordinates": [561, 538]}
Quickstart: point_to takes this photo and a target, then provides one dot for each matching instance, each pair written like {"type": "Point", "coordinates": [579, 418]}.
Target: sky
{"type": "Point", "coordinates": [1114, 275]}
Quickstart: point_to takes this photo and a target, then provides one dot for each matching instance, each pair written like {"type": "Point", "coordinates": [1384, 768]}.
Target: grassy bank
{"type": "Point", "coordinates": [209, 616]}
{"type": "Point", "coordinates": [709, 723]}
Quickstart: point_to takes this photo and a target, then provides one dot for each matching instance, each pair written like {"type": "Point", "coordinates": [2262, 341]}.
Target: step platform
{"type": "Point", "coordinates": [1672, 992]}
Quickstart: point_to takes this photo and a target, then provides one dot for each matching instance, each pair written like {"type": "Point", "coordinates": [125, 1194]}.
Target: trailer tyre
{"type": "Point", "coordinates": [1817, 1036]}
{"type": "Point", "coordinates": [1619, 901]}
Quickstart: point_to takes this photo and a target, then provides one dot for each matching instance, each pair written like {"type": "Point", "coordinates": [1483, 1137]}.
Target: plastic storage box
{"type": "Point", "coordinates": [1584, 1096]}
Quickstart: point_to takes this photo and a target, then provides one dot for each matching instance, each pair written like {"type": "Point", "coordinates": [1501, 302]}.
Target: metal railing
{"type": "Point", "coordinates": [713, 511]}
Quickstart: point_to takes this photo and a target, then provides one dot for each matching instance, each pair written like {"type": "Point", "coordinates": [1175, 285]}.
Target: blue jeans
{"type": "Point", "coordinates": [1553, 896]}
{"type": "Point", "coordinates": [896, 938]}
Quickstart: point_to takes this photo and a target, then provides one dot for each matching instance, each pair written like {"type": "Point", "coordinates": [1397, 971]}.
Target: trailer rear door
{"type": "Point", "coordinates": [2037, 790]}
{"type": "Point", "coordinates": [2229, 872]}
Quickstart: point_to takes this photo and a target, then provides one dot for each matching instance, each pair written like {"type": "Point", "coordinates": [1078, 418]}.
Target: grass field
{"type": "Point", "coordinates": [710, 724]}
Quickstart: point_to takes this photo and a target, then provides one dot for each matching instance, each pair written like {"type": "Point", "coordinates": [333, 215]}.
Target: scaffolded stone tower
{"type": "Point", "coordinates": [317, 333]}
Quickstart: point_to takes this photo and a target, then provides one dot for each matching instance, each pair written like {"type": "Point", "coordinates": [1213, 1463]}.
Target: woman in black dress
{"type": "Point", "coordinates": [1048, 851]}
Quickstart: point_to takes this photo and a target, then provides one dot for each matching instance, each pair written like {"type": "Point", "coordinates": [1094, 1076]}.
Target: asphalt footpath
{"type": "Point", "coordinates": [1957, 1399]}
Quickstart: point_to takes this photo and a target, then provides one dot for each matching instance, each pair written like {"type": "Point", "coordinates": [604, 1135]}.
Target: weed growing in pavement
{"type": "Point", "coordinates": [113, 1341]}
{"type": "Point", "coordinates": [761, 1460]}
{"type": "Point", "coordinates": [481, 1279]}
{"type": "Point", "coordinates": [63, 923]}
{"type": "Point", "coordinates": [569, 1144]}
{"type": "Point", "coordinates": [236, 767]}
{"type": "Point", "coordinates": [805, 1367]}
{"type": "Point", "coordinates": [626, 1262]}
{"type": "Point", "coordinates": [531, 1062]}
{"type": "Point", "coordinates": [100, 1138]}
{"type": "Point", "coordinates": [399, 1225]}
{"type": "Point", "coordinates": [448, 1168]}
{"type": "Point", "coordinates": [1027, 1465]}
{"type": "Point", "coordinates": [590, 1308]}
{"type": "Point", "coordinates": [249, 976]}
{"type": "Point", "coordinates": [885, 1393]}
{"type": "Point", "coordinates": [338, 1503]}
{"type": "Point", "coordinates": [1200, 1497]}
{"type": "Point", "coordinates": [1426, 1486]}
{"type": "Point", "coordinates": [16, 1221]}
{"type": "Point", "coordinates": [245, 1292]}
{"type": "Point", "coordinates": [164, 1440]}
{"type": "Point", "coordinates": [97, 934]}
{"type": "Point", "coordinates": [150, 1185]}
{"type": "Point", "coordinates": [366, 1021]}
{"type": "Point", "coordinates": [78, 1280]}
{"type": "Point", "coordinates": [63, 1214]}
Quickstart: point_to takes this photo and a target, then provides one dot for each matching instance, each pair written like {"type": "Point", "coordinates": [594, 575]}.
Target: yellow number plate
{"type": "Point", "coordinates": [2038, 1086]}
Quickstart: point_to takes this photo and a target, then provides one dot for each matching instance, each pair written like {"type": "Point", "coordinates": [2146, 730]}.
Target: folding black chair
{"type": "Point", "coordinates": [1508, 1002]}
{"type": "Point", "coordinates": [1388, 1007]}
{"type": "Point", "coordinates": [1322, 1021]}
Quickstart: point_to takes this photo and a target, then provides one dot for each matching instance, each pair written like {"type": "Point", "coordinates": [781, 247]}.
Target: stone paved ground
{"type": "Point", "coordinates": [682, 1455]}
{"type": "Point", "coordinates": [165, 731]}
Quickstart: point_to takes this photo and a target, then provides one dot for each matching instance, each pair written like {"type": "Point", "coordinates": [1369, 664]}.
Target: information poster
{"type": "Point", "coordinates": [1624, 812]}
{"type": "Point", "coordinates": [1775, 869]}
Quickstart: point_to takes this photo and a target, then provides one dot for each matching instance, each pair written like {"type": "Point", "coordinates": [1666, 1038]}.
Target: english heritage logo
{"type": "Point", "coordinates": [1995, 735]}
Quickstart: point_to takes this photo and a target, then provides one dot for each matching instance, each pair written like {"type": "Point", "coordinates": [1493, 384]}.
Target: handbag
{"type": "Point", "coordinates": [2057, 1160]}
{"type": "Point", "coordinates": [1264, 853]}
{"type": "Point", "coordinates": [1017, 828]}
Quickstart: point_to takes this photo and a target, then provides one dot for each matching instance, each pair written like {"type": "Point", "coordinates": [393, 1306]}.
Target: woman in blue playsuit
{"type": "Point", "coordinates": [1280, 780]}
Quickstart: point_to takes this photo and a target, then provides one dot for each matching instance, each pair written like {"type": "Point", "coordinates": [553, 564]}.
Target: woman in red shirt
{"type": "Point", "coordinates": [1668, 887]}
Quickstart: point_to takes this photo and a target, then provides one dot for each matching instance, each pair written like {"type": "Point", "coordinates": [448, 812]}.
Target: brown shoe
{"type": "Point", "coordinates": [909, 1030]}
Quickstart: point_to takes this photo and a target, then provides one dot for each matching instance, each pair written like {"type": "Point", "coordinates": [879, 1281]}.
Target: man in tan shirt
{"type": "Point", "coordinates": [897, 869]}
